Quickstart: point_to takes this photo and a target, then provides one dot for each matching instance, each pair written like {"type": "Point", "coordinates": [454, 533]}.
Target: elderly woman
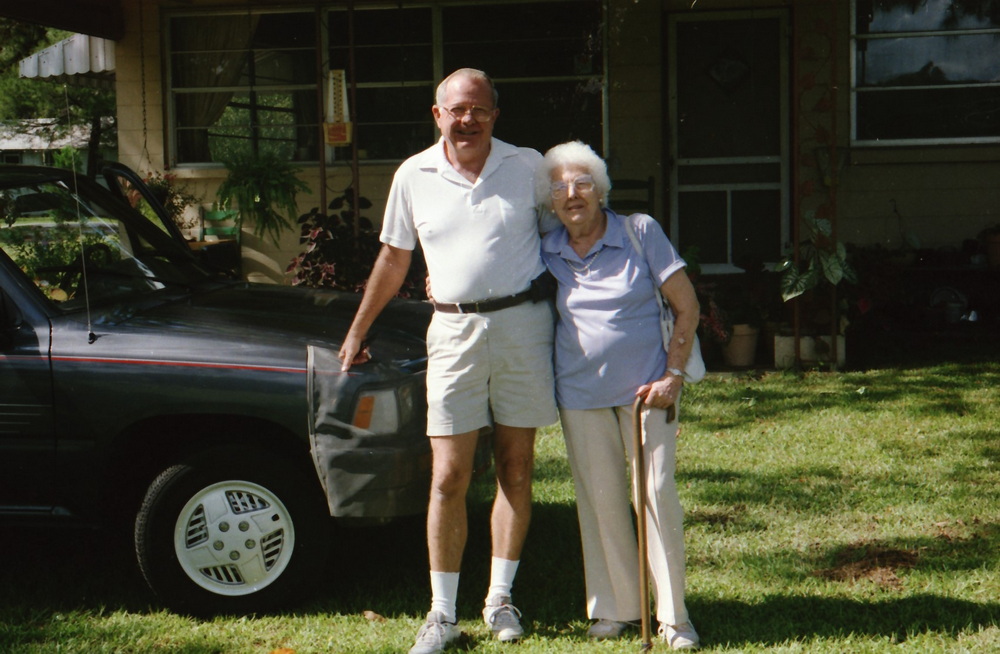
{"type": "Point", "coordinates": [608, 350]}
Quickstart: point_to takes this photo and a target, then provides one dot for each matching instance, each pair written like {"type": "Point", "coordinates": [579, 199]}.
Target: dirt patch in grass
{"type": "Point", "coordinates": [870, 562]}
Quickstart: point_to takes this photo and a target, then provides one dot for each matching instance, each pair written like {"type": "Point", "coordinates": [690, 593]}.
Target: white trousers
{"type": "Point", "coordinates": [598, 442]}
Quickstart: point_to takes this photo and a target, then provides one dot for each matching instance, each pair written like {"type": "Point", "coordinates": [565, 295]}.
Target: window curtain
{"type": "Point", "coordinates": [229, 39]}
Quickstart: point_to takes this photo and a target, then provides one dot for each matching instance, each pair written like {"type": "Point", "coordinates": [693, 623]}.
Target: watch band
{"type": "Point", "coordinates": [677, 372]}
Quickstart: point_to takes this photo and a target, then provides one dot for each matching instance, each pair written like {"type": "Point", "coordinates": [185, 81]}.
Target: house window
{"type": "Point", "coordinates": [254, 84]}
{"type": "Point", "coordinates": [243, 83]}
{"type": "Point", "coordinates": [546, 59]}
{"type": "Point", "coordinates": [394, 69]}
{"type": "Point", "coordinates": [926, 72]}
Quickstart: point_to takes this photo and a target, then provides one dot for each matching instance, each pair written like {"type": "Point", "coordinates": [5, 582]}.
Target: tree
{"type": "Point", "coordinates": [33, 98]}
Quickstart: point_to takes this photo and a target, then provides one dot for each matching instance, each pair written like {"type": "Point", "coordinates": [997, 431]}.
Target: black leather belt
{"type": "Point", "coordinates": [485, 306]}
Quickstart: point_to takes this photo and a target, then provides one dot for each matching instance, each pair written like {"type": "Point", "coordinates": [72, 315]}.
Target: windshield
{"type": "Point", "coordinates": [86, 246]}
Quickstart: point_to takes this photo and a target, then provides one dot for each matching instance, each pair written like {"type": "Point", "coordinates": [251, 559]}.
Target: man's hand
{"type": "Point", "coordinates": [384, 282]}
{"type": "Point", "coordinates": [353, 352]}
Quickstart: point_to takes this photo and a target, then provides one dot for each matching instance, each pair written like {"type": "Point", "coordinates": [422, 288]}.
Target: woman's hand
{"type": "Point", "coordinates": [661, 393]}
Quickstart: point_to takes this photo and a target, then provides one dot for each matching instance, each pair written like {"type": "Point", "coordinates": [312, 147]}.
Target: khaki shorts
{"type": "Point", "coordinates": [486, 367]}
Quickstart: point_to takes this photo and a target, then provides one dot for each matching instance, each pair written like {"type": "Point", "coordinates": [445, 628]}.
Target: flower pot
{"type": "Point", "coordinates": [741, 349]}
{"type": "Point", "coordinates": [812, 353]}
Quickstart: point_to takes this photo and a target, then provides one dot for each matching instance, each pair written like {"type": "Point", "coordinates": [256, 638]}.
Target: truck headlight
{"type": "Point", "coordinates": [378, 411]}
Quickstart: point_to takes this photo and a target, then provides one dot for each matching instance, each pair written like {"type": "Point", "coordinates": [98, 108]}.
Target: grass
{"type": "Point", "coordinates": [825, 512]}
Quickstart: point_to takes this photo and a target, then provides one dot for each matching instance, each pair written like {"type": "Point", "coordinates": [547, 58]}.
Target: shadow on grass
{"type": "Point", "coordinates": [52, 570]}
{"type": "Point", "coordinates": [384, 569]}
{"type": "Point", "coordinates": [821, 489]}
{"type": "Point", "coordinates": [797, 619]}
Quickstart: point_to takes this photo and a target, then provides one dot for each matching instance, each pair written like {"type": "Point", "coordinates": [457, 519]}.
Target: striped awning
{"type": "Point", "coordinates": [80, 60]}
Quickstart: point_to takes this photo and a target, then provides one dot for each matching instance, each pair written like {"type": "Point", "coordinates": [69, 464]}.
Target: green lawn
{"type": "Point", "coordinates": [850, 512]}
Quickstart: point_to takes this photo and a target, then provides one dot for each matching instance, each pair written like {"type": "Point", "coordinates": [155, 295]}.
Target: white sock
{"type": "Point", "coordinates": [444, 593]}
{"type": "Point", "coordinates": [502, 573]}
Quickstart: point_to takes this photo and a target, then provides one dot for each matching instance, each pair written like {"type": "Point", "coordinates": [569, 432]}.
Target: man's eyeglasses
{"type": "Point", "coordinates": [479, 114]}
{"type": "Point", "coordinates": [583, 184]}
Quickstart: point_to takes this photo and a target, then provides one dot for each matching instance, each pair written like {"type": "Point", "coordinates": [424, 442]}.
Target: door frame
{"type": "Point", "coordinates": [783, 159]}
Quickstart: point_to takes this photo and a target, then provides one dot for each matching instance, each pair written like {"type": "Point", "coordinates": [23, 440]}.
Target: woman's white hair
{"type": "Point", "coordinates": [571, 153]}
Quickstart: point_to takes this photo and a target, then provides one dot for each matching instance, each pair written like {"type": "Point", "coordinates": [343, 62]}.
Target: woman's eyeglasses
{"type": "Point", "coordinates": [583, 184]}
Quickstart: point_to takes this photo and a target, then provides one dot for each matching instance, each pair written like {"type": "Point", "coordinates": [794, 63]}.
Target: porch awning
{"type": "Point", "coordinates": [80, 60]}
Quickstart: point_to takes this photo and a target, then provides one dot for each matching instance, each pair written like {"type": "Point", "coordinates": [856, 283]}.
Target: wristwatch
{"type": "Point", "coordinates": [677, 372]}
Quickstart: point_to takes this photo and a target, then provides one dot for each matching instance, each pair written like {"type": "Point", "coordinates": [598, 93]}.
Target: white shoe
{"type": "Point", "coordinates": [503, 618]}
{"type": "Point", "coordinates": [680, 636]}
{"type": "Point", "coordinates": [607, 629]}
{"type": "Point", "coordinates": [435, 634]}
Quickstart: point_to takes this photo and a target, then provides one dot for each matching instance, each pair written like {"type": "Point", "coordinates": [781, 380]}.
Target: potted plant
{"type": "Point", "coordinates": [173, 197]}
{"type": "Point", "coordinates": [749, 304]}
{"type": "Point", "coordinates": [713, 323]}
{"type": "Point", "coordinates": [263, 188]}
{"type": "Point", "coordinates": [745, 316]}
{"type": "Point", "coordinates": [822, 262]}
{"type": "Point", "coordinates": [335, 256]}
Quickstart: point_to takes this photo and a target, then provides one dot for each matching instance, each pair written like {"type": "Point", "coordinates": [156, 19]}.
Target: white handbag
{"type": "Point", "coordinates": [694, 369]}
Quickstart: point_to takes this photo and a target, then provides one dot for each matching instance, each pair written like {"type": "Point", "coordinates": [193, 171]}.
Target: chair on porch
{"type": "Point", "coordinates": [630, 196]}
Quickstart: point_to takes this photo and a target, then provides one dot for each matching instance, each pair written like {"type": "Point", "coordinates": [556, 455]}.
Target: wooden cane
{"type": "Point", "coordinates": [640, 512]}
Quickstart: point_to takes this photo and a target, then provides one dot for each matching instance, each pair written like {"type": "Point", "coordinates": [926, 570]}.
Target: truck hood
{"type": "Point", "coordinates": [242, 315]}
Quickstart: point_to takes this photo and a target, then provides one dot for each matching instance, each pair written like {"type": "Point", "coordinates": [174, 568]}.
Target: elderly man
{"type": "Point", "coordinates": [469, 201]}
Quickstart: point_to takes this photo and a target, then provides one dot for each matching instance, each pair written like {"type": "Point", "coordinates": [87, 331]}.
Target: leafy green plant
{"type": "Point", "coordinates": [69, 158]}
{"type": "Point", "coordinates": [336, 257]}
{"type": "Point", "coordinates": [173, 196]}
{"type": "Point", "coordinates": [264, 188]}
{"type": "Point", "coordinates": [821, 258]}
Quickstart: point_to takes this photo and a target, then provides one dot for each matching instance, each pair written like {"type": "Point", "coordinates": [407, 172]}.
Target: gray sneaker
{"type": "Point", "coordinates": [503, 618]}
{"type": "Point", "coordinates": [435, 635]}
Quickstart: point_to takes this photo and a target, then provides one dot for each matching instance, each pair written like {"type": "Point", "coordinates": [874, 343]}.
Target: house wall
{"type": "Point", "coordinates": [942, 202]}
{"type": "Point", "coordinates": [636, 103]}
{"type": "Point", "coordinates": [943, 194]}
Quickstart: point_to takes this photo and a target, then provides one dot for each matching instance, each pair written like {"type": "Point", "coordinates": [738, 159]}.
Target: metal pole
{"type": "Point", "coordinates": [355, 173]}
{"type": "Point", "coordinates": [320, 109]}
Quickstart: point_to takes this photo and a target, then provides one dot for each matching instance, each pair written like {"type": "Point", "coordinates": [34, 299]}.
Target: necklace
{"type": "Point", "coordinates": [588, 262]}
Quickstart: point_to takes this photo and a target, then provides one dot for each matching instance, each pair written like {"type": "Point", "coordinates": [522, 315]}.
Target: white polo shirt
{"type": "Point", "coordinates": [480, 240]}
